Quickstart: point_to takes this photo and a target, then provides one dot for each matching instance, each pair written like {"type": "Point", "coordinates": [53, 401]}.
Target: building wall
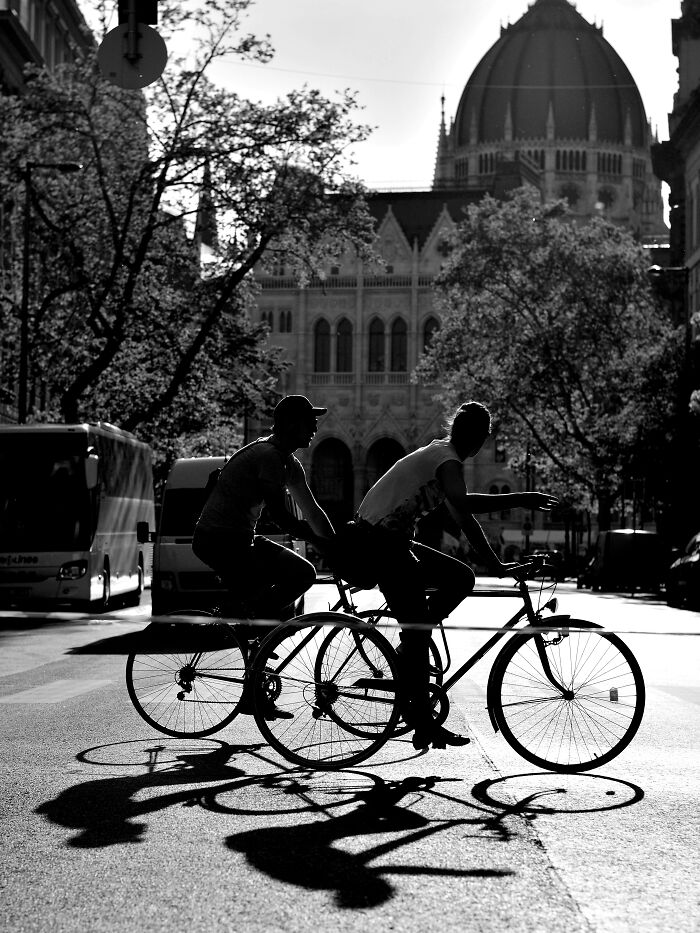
{"type": "Point", "coordinates": [376, 413]}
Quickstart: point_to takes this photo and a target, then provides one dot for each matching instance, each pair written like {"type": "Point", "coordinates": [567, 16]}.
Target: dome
{"type": "Point", "coordinates": [551, 64]}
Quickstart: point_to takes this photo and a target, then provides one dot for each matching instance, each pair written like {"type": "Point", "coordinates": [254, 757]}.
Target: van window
{"type": "Point", "coordinates": [181, 509]}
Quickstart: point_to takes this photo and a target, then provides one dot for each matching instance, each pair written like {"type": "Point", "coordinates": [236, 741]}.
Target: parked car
{"type": "Point", "coordinates": [683, 576]}
{"type": "Point", "coordinates": [626, 560]}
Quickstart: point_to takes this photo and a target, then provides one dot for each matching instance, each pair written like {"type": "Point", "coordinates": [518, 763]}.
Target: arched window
{"type": "Point", "coordinates": [322, 346]}
{"type": "Point", "coordinates": [377, 363]}
{"type": "Point", "coordinates": [285, 322]}
{"type": "Point", "coordinates": [343, 347]}
{"type": "Point", "coordinates": [429, 329]}
{"type": "Point", "coordinates": [399, 346]}
{"type": "Point", "coordinates": [268, 319]}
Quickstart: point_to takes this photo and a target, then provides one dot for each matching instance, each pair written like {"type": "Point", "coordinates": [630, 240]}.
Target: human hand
{"type": "Point", "coordinates": [505, 570]}
{"type": "Point", "coordinates": [539, 500]}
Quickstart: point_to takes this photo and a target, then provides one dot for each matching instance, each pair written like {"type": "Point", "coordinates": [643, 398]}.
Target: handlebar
{"type": "Point", "coordinates": [531, 568]}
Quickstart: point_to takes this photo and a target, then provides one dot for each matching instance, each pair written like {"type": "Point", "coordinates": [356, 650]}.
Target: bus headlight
{"type": "Point", "coordinates": [73, 570]}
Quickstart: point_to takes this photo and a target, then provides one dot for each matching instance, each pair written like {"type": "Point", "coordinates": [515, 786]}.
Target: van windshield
{"type": "Point", "coordinates": [44, 500]}
{"type": "Point", "coordinates": [181, 509]}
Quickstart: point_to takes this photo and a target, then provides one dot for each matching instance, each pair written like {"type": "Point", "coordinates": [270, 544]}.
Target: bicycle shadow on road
{"type": "Point", "coordinates": [104, 812]}
{"type": "Point", "coordinates": [310, 827]}
{"type": "Point", "coordinates": [307, 855]}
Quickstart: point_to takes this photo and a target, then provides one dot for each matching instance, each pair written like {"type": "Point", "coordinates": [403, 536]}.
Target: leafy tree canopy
{"type": "Point", "coordinates": [555, 327]}
{"type": "Point", "coordinates": [125, 326]}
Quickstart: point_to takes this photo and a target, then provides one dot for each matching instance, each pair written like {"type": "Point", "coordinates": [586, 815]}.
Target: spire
{"type": "Point", "coordinates": [443, 173]}
{"type": "Point", "coordinates": [205, 227]}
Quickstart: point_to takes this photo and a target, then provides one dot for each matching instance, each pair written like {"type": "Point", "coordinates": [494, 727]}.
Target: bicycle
{"type": "Point", "coordinates": [187, 677]}
{"type": "Point", "coordinates": [565, 695]}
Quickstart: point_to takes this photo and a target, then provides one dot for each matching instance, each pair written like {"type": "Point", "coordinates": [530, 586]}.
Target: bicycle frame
{"type": "Point", "coordinates": [526, 611]}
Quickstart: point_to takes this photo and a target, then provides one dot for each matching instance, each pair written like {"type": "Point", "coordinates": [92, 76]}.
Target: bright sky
{"type": "Point", "coordinates": [401, 55]}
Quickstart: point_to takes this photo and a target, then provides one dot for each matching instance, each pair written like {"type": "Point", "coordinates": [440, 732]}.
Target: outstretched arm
{"type": "Point", "coordinates": [452, 481]}
{"type": "Point", "coordinates": [486, 502]}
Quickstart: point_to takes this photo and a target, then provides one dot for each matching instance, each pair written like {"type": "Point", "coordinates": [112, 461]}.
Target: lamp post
{"type": "Point", "coordinates": [24, 308]}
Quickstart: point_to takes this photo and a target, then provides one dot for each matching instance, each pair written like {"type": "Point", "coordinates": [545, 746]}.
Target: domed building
{"type": "Point", "coordinates": [552, 104]}
{"type": "Point", "coordinates": [554, 93]}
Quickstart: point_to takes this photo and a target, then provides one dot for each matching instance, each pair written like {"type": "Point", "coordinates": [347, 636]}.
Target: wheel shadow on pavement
{"type": "Point", "coordinates": [317, 830]}
{"type": "Point", "coordinates": [307, 855]}
{"type": "Point", "coordinates": [105, 811]}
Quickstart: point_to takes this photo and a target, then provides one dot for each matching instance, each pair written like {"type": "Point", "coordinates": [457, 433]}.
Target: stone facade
{"type": "Point", "coordinates": [354, 339]}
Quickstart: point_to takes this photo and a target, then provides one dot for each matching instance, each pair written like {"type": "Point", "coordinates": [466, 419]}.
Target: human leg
{"type": "Point", "coordinates": [451, 579]}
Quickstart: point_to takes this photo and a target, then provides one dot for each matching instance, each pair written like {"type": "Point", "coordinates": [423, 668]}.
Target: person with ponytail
{"type": "Point", "coordinates": [419, 483]}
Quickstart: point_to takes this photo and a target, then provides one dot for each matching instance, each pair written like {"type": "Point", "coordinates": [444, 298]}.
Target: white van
{"type": "Point", "coordinates": [180, 579]}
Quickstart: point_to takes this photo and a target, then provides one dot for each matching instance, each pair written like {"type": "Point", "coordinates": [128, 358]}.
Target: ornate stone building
{"type": "Point", "coordinates": [553, 90]}
{"type": "Point", "coordinates": [38, 32]}
{"type": "Point", "coordinates": [550, 103]}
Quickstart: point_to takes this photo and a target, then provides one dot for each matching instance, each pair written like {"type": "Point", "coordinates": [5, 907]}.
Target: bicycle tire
{"type": "Point", "coordinates": [285, 670]}
{"type": "Point", "coordinates": [391, 632]}
{"type": "Point", "coordinates": [186, 692]}
{"type": "Point", "coordinates": [578, 733]}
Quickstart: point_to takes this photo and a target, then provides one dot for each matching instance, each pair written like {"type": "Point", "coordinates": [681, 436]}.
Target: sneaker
{"type": "Point", "coordinates": [438, 737]}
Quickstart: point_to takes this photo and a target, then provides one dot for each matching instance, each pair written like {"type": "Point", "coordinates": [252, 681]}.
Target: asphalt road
{"type": "Point", "coordinates": [108, 825]}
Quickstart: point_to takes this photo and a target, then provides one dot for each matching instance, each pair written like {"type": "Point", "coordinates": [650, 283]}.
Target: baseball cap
{"type": "Point", "coordinates": [295, 406]}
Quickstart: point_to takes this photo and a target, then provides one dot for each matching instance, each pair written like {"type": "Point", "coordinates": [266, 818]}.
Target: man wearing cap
{"type": "Point", "coordinates": [265, 578]}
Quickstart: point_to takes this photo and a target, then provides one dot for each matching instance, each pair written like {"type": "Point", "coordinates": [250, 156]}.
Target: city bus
{"type": "Point", "coordinates": [76, 502]}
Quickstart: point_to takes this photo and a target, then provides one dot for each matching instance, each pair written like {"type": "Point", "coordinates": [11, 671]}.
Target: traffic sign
{"type": "Point", "coordinates": [137, 68]}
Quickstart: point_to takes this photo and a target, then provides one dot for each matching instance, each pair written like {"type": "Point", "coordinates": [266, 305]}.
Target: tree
{"type": "Point", "coordinates": [125, 325]}
{"type": "Point", "coordinates": [554, 326]}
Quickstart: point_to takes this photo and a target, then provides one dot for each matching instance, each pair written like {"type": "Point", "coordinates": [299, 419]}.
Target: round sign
{"type": "Point", "coordinates": [151, 57]}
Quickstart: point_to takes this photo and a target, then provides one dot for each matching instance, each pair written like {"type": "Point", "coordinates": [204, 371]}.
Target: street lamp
{"type": "Point", "coordinates": [24, 309]}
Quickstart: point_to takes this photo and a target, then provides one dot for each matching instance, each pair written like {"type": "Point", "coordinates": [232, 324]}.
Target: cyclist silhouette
{"type": "Point", "coordinates": [415, 486]}
{"type": "Point", "coordinates": [265, 578]}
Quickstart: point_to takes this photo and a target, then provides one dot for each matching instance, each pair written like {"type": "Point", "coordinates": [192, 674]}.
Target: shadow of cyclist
{"type": "Point", "coordinates": [105, 812]}
{"type": "Point", "coordinates": [305, 854]}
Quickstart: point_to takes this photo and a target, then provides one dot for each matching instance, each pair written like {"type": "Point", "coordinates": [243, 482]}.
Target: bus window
{"type": "Point", "coordinates": [44, 502]}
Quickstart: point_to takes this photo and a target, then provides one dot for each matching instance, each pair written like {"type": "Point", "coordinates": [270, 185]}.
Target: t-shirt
{"type": "Point", "coordinates": [237, 499]}
{"type": "Point", "coordinates": [409, 490]}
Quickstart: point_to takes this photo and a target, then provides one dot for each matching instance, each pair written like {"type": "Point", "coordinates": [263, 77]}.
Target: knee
{"type": "Point", "coordinates": [307, 574]}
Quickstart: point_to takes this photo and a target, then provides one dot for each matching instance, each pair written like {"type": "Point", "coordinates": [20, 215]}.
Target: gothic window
{"type": "Point", "coordinates": [377, 362]}
{"type": "Point", "coordinates": [322, 346]}
{"type": "Point", "coordinates": [343, 347]}
{"type": "Point", "coordinates": [429, 329]}
{"type": "Point", "coordinates": [399, 346]}
{"type": "Point", "coordinates": [285, 322]}
{"type": "Point", "coordinates": [267, 318]}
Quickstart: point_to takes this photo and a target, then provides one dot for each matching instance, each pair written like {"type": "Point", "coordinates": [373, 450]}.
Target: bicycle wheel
{"type": "Point", "coordinates": [354, 683]}
{"type": "Point", "coordinates": [587, 726]}
{"type": "Point", "coordinates": [385, 620]}
{"type": "Point", "coordinates": [189, 680]}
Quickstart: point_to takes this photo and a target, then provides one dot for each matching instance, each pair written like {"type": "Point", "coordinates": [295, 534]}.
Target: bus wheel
{"type": "Point", "coordinates": [134, 598]}
{"type": "Point", "coordinates": [102, 604]}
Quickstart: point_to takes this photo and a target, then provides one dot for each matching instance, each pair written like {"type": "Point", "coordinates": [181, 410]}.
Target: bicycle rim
{"type": "Point", "coordinates": [337, 680]}
{"type": "Point", "coordinates": [576, 734]}
{"type": "Point", "coordinates": [187, 693]}
{"type": "Point", "coordinates": [385, 620]}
